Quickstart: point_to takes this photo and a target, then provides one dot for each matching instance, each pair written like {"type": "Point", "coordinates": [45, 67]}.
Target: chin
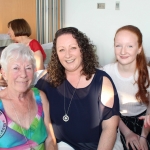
{"type": "Point", "coordinates": [23, 89]}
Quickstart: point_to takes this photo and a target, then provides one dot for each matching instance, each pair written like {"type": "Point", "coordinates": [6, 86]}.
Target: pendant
{"type": "Point", "coordinates": [65, 118]}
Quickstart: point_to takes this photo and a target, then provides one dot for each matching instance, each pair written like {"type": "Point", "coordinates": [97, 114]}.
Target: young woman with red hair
{"type": "Point", "coordinates": [131, 76]}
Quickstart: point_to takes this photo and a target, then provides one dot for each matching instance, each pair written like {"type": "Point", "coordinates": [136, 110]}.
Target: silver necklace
{"type": "Point", "coordinates": [31, 148]}
{"type": "Point", "coordinates": [66, 117]}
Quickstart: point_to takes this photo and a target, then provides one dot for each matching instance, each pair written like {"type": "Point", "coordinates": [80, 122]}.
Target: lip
{"type": "Point", "coordinates": [70, 61]}
{"type": "Point", "coordinates": [123, 57]}
{"type": "Point", "coordinates": [22, 82]}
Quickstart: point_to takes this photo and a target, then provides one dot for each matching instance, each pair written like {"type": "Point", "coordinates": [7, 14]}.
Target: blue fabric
{"type": "Point", "coordinates": [86, 112]}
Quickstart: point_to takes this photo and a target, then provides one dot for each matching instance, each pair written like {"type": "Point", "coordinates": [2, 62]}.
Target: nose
{"type": "Point", "coordinates": [123, 50]}
{"type": "Point", "coordinates": [67, 53]}
{"type": "Point", "coordinates": [23, 73]}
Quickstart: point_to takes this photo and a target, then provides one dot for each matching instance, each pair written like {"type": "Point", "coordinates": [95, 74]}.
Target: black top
{"type": "Point", "coordinates": [86, 111]}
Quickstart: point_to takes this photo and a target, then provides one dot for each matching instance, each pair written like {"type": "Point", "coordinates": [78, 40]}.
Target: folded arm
{"type": "Point", "coordinates": [130, 136]}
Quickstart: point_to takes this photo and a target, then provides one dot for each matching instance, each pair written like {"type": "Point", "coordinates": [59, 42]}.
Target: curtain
{"type": "Point", "coordinates": [50, 18]}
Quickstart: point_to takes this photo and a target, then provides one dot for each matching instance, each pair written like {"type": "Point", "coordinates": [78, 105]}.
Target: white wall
{"type": "Point", "coordinates": [100, 25]}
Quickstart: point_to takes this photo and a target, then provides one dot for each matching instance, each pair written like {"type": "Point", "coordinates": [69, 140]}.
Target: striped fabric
{"type": "Point", "coordinates": [11, 136]}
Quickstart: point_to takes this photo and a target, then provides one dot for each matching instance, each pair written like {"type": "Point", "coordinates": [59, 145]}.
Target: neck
{"type": "Point", "coordinates": [126, 70]}
{"type": "Point", "coordinates": [23, 39]}
{"type": "Point", "coordinates": [73, 74]}
{"type": "Point", "coordinates": [74, 78]}
{"type": "Point", "coordinates": [16, 96]}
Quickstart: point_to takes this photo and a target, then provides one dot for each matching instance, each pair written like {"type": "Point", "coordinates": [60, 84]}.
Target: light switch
{"type": "Point", "coordinates": [100, 5]}
{"type": "Point", "coordinates": [117, 6]}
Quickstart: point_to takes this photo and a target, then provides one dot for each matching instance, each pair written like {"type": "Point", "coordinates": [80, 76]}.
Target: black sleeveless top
{"type": "Point", "coordinates": [86, 111]}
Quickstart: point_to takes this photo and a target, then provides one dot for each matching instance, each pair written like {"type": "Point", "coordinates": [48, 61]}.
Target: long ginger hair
{"type": "Point", "coordinates": [143, 80]}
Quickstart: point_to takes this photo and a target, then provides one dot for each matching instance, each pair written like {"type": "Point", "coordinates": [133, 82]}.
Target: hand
{"type": "Point", "coordinates": [143, 143]}
{"type": "Point", "coordinates": [146, 120]}
{"type": "Point", "coordinates": [133, 140]}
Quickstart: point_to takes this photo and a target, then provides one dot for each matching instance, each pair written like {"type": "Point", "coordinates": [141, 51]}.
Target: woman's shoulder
{"type": "Point", "coordinates": [109, 66]}
{"type": "Point", "coordinates": [43, 83]}
{"type": "Point", "coordinates": [103, 70]}
{"type": "Point", "coordinates": [101, 74]}
{"type": "Point", "coordinates": [34, 42]}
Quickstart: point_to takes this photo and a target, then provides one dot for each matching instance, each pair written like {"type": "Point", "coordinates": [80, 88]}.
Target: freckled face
{"type": "Point", "coordinates": [126, 47]}
{"type": "Point", "coordinates": [19, 75]}
{"type": "Point", "coordinates": [69, 53]}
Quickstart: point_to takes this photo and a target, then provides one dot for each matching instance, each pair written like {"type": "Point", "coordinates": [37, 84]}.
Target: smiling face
{"type": "Point", "coordinates": [126, 47]}
{"type": "Point", "coordinates": [69, 53]}
{"type": "Point", "coordinates": [19, 75]}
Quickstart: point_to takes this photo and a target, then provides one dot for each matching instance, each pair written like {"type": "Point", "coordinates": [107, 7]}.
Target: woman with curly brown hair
{"type": "Point", "coordinates": [131, 76]}
{"type": "Point", "coordinates": [84, 100]}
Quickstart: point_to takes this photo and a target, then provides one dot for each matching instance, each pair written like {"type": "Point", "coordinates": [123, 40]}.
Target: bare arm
{"type": "Point", "coordinates": [109, 126]}
{"type": "Point", "coordinates": [39, 60]}
{"type": "Point", "coordinates": [109, 133]}
{"type": "Point", "coordinates": [146, 128]}
{"type": "Point", "coordinates": [131, 137]}
{"type": "Point", "coordinates": [143, 141]}
{"type": "Point", "coordinates": [50, 143]}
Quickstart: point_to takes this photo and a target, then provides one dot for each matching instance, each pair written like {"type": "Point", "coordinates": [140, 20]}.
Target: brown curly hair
{"type": "Point", "coordinates": [56, 72]}
{"type": "Point", "coordinates": [143, 80]}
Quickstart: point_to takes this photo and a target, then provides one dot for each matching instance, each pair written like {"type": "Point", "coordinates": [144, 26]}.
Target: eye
{"type": "Point", "coordinates": [16, 68]}
{"type": "Point", "coordinates": [117, 45]}
{"type": "Point", "coordinates": [73, 48]}
{"type": "Point", "coordinates": [129, 46]}
{"type": "Point", "coordinates": [29, 68]}
{"type": "Point", "coordinates": [61, 50]}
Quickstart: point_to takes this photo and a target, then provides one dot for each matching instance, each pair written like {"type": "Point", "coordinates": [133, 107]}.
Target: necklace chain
{"type": "Point", "coordinates": [31, 148]}
{"type": "Point", "coordinates": [66, 117]}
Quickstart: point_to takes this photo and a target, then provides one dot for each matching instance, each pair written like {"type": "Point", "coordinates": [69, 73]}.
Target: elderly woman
{"type": "Point", "coordinates": [24, 118]}
{"type": "Point", "coordinates": [84, 101]}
